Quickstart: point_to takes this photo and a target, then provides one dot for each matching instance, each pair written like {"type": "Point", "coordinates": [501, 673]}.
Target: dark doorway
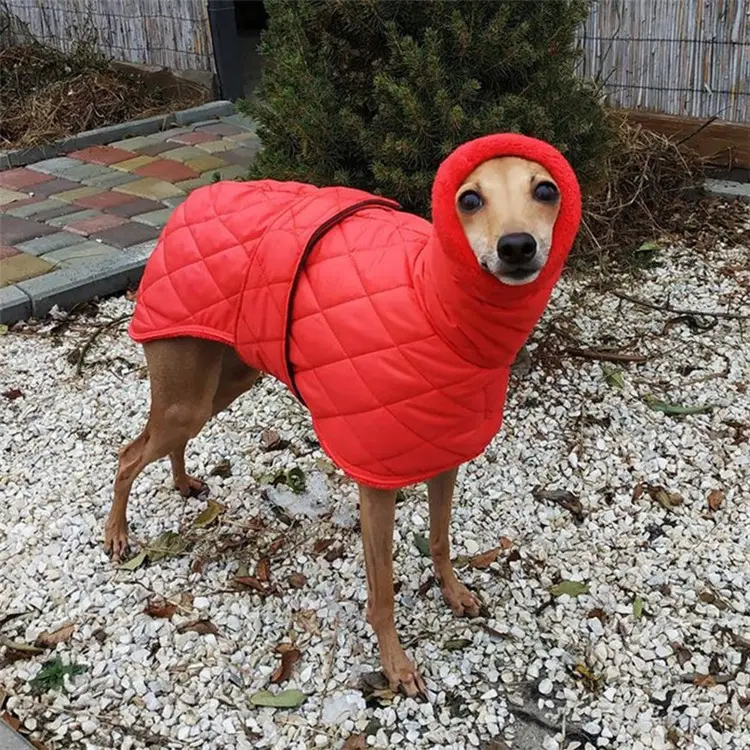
{"type": "Point", "coordinates": [251, 18]}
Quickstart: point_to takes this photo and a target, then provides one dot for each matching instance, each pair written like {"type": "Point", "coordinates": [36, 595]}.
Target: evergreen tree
{"type": "Point", "coordinates": [375, 93]}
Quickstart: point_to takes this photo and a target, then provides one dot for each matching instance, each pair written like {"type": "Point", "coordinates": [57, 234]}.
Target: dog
{"type": "Point", "coordinates": [398, 334]}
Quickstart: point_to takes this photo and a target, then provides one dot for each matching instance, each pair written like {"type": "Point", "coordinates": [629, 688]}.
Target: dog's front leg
{"type": "Point", "coordinates": [456, 595]}
{"type": "Point", "coordinates": [377, 512]}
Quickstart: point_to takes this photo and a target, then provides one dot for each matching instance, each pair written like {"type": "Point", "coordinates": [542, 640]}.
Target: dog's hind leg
{"type": "Point", "coordinates": [184, 375]}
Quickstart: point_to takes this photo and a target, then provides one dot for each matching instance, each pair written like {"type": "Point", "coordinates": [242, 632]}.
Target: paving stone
{"type": "Point", "coordinates": [190, 139]}
{"type": "Point", "coordinates": [61, 221]}
{"type": "Point", "coordinates": [132, 164]}
{"type": "Point", "coordinates": [132, 144]}
{"type": "Point", "coordinates": [155, 218]}
{"type": "Point", "coordinates": [60, 208]}
{"type": "Point", "coordinates": [134, 206]}
{"type": "Point", "coordinates": [18, 179]}
{"type": "Point", "coordinates": [13, 196]}
{"type": "Point", "coordinates": [167, 170]}
{"type": "Point", "coordinates": [242, 157]}
{"type": "Point", "coordinates": [104, 155]}
{"type": "Point", "coordinates": [52, 187]}
{"type": "Point", "coordinates": [109, 181]}
{"type": "Point", "coordinates": [86, 279]}
{"type": "Point", "coordinates": [11, 208]}
{"type": "Point", "coordinates": [241, 121]}
{"type": "Point", "coordinates": [103, 200]}
{"type": "Point", "coordinates": [57, 166]}
{"type": "Point", "coordinates": [245, 138]}
{"type": "Point", "coordinates": [47, 244]}
{"type": "Point", "coordinates": [183, 153]}
{"type": "Point", "coordinates": [228, 173]}
{"type": "Point", "coordinates": [82, 251]}
{"type": "Point", "coordinates": [149, 187]}
{"type": "Point", "coordinates": [72, 196]}
{"type": "Point", "coordinates": [156, 149]}
{"type": "Point", "coordinates": [219, 128]}
{"type": "Point", "coordinates": [130, 233]}
{"type": "Point", "coordinates": [8, 252]}
{"type": "Point", "coordinates": [189, 185]}
{"type": "Point", "coordinates": [20, 267]}
{"type": "Point", "coordinates": [216, 147]}
{"type": "Point", "coordinates": [174, 202]}
{"type": "Point", "coordinates": [85, 171]}
{"type": "Point", "coordinates": [38, 206]}
{"type": "Point", "coordinates": [15, 305]}
{"type": "Point", "coordinates": [14, 230]}
{"type": "Point", "coordinates": [205, 162]}
{"type": "Point", "coordinates": [95, 225]}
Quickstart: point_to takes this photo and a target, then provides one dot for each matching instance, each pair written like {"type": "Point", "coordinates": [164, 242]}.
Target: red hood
{"type": "Point", "coordinates": [454, 171]}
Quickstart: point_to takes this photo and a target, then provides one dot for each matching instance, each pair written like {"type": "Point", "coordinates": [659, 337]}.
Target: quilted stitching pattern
{"type": "Point", "coordinates": [403, 364]}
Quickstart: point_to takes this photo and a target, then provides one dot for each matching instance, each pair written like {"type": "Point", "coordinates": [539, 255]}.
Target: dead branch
{"type": "Point", "coordinates": [667, 308]}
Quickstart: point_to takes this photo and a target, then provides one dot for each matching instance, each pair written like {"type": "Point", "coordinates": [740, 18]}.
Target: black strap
{"type": "Point", "coordinates": [315, 237]}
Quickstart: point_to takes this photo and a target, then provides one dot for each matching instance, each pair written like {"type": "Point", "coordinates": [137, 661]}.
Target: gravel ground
{"type": "Point", "coordinates": [652, 653]}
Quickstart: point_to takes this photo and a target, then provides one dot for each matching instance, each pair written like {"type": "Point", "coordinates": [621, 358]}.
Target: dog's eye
{"type": "Point", "coordinates": [470, 201]}
{"type": "Point", "coordinates": [546, 192]}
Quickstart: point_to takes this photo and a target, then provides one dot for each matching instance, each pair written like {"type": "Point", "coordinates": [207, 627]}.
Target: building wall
{"type": "Point", "coordinates": [170, 33]}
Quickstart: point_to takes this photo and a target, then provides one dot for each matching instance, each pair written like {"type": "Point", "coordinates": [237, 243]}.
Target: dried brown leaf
{"type": "Point", "coordinates": [15, 650]}
{"type": "Point", "coordinates": [61, 635]}
{"type": "Point", "coordinates": [11, 721]}
{"type": "Point", "coordinates": [290, 655]}
{"type": "Point", "coordinates": [485, 559]}
{"type": "Point", "coordinates": [638, 490]}
{"type": "Point", "coordinates": [355, 742]}
{"type": "Point", "coordinates": [159, 607]}
{"type": "Point", "coordinates": [223, 469]}
{"type": "Point", "coordinates": [271, 440]}
{"type": "Point", "coordinates": [297, 580]}
{"type": "Point", "coordinates": [307, 620]}
{"type": "Point", "coordinates": [426, 586]}
{"type": "Point", "coordinates": [13, 393]}
{"type": "Point", "coordinates": [251, 582]}
{"type": "Point", "coordinates": [599, 613]}
{"type": "Point", "coordinates": [703, 680]}
{"type": "Point", "coordinates": [204, 627]}
{"type": "Point", "coordinates": [263, 570]}
{"type": "Point", "coordinates": [276, 545]}
{"type": "Point", "coordinates": [321, 545]}
{"type": "Point", "coordinates": [334, 553]}
{"type": "Point", "coordinates": [505, 542]}
{"type": "Point", "coordinates": [197, 565]}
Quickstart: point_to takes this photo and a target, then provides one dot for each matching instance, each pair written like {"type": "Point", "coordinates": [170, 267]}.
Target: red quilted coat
{"type": "Point", "coordinates": [383, 324]}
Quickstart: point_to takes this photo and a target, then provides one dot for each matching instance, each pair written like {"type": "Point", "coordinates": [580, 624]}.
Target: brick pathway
{"type": "Point", "coordinates": [106, 201]}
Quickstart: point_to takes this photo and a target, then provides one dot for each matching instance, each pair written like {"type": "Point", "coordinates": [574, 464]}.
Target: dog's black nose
{"type": "Point", "coordinates": [517, 248]}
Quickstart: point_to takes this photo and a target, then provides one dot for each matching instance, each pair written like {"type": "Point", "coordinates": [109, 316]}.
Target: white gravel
{"type": "Point", "coordinates": [567, 428]}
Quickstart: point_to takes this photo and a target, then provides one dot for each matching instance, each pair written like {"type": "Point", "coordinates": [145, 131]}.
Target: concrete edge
{"type": "Point", "coordinates": [727, 189]}
{"type": "Point", "coordinates": [15, 304]}
{"type": "Point", "coordinates": [11, 740]}
{"type": "Point", "coordinates": [101, 277]}
{"type": "Point", "coordinates": [147, 126]}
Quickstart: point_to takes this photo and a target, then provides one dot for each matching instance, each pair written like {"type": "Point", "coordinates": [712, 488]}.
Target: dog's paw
{"type": "Point", "coordinates": [461, 601]}
{"type": "Point", "coordinates": [191, 486]}
{"type": "Point", "coordinates": [116, 543]}
{"type": "Point", "coordinates": [402, 674]}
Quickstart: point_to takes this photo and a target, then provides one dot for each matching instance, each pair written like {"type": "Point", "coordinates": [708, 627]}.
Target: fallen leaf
{"type": "Point", "coordinates": [325, 465]}
{"type": "Point", "coordinates": [251, 582]}
{"type": "Point", "coordinates": [613, 377]}
{"type": "Point", "coordinates": [276, 545]}
{"type": "Point", "coordinates": [134, 562]}
{"type": "Point", "coordinates": [197, 565]}
{"type": "Point", "coordinates": [204, 627]}
{"type": "Point", "coordinates": [335, 553]}
{"type": "Point", "coordinates": [648, 247]}
{"type": "Point", "coordinates": [61, 635]}
{"type": "Point", "coordinates": [13, 393]}
{"type": "Point", "coordinates": [505, 543]}
{"type": "Point", "coordinates": [422, 543]}
{"type": "Point", "coordinates": [493, 632]}
{"type": "Point", "coordinates": [637, 607]}
{"type": "Point", "coordinates": [703, 680]}
{"type": "Point", "coordinates": [711, 597]}
{"type": "Point", "coordinates": [99, 635]}
{"type": "Point", "coordinates": [284, 699]}
{"type": "Point", "coordinates": [684, 655]}
{"type": "Point", "coordinates": [485, 559]}
{"type": "Point", "coordinates": [676, 410]}
{"type": "Point", "coordinates": [638, 490]}
{"type": "Point", "coordinates": [52, 676]}
{"type": "Point", "coordinates": [168, 544]}
{"type": "Point", "coordinates": [590, 680]}
{"type": "Point", "coordinates": [321, 544]}
{"type": "Point", "coordinates": [426, 586]}
{"type": "Point", "coordinates": [307, 620]}
{"type": "Point", "coordinates": [3, 329]}
{"type": "Point", "coordinates": [296, 480]}
{"type": "Point", "coordinates": [209, 514]}
{"type": "Point", "coordinates": [16, 651]}
{"type": "Point", "coordinates": [263, 570]}
{"type": "Point", "coordinates": [715, 499]}
{"type": "Point", "coordinates": [13, 722]}
{"type": "Point", "coordinates": [160, 607]}
{"type": "Point", "coordinates": [664, 497]}
{"type": "Point", "coordinates": [355, 742]}
{"type": "Point", "coordinates": [271, 441]}
{"type": "Point", "coordinates": [374, 686]}
{"type": "Point", "coordinates": [456, 644]}
{"type": "Point", "coordinates": [297, 580]}
{"type": "Point", "coordinates": [571, 588]}
{"type": "Point", "coordinates": [564, 499]}
{"type": "Point", "coordinates": [598, 613]}
{"type": "Point", "coordinates": [289, 657]}
{"type": "Point", "coordinates": [223, 469]}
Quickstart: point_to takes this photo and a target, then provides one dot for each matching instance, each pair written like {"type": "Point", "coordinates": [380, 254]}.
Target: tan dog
{"type": "Point", "coordinates": [508, 207]}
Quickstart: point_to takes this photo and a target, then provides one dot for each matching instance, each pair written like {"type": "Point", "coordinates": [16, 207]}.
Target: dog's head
{"type": "Point", "coordinates": [508, 208]}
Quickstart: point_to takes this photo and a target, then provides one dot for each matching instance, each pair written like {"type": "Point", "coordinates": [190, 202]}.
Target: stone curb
{"type": "Point", "coordinates": [22, 156]}
{"type": "Point", "coordinates": [11, 740]}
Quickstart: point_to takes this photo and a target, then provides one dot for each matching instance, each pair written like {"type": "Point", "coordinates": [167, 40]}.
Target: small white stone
{"type": "Point", "coordinates": [546, 686]}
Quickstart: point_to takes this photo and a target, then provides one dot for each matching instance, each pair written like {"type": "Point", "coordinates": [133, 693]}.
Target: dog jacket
{"type": "Point", "coordinates": [382, 324]}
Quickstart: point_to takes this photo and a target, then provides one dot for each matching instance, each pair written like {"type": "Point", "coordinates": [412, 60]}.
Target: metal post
{"type": "Point", "coordinates": [227, 52]}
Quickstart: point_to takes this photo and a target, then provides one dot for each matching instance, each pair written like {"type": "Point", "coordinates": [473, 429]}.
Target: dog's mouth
{"type": "Point", "coordinates": [513, 276]}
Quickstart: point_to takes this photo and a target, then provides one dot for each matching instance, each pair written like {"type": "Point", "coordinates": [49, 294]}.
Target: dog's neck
{"type": "Point", "coordinates": [484, 321]}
